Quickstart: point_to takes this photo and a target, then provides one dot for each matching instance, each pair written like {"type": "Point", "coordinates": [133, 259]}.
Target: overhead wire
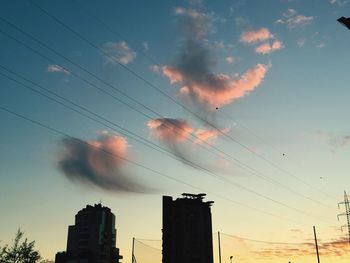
{"type": "Point", "coordinates": [243, 187]}
{"type": "Point", "coordinates": [147, 245]}
{"type": "Point", "coordinates": [114, 155]}
{"type": "Point", "coordinates": [134, 73]}
{"type": "Point", "coordinates": [194, 165]}
{"type": "Point", "coordinates": [240, 163]}
{"type": "Point", "coordinates": [264, 241]}
{"type": "Point", "coordinates": [119, 35]}
{"type": "Point", "coordinates": [307, 242]}
{"type": "Point", "coordinates": [144, 53]}
{"type": "Point", "coordinates": [238, 185]}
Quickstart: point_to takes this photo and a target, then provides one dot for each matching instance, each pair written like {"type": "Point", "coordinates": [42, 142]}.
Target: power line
{"type": "Point", "coordinates": [254, 134]}
{"type": "Point", "coordinates": [247, 239]}
{"type": "Point", "coordinates": [121, 130]}
{"type": "Point", "coordinates": [265, 242]}
{"type": "Point", "coordinates": [206, 170]}
{"type": "Point", "coordinates": [325, 243]}
{"type": "Point", "coordinates": [190, 163]}
{"type": "Point", "coordinates": [135, 47]}
{"type": "Point", "coordinates": [134, 73]}
{"type": "Point", "coordinates": [110, 29]}
{"type": "Point", "coordinates": [242, 238]}
{"type": "Point", "coordinates": [240, 163]}
{"type": "Point", "coordinates": [147, 245]}
{"type": "Point", "coordinates": [98, 78]}
{"type": "Point", "coordinates": [113, 155]}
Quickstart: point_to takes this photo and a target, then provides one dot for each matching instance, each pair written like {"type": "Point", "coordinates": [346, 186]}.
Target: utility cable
{"type": "Point", "coordinates": [241, 164]}
{"type": "Point", "coordinates": [190, 163]}
{"type": "Point", "coordinates": [56, 131]}
{"type": "Point", "coordinates": [172, 99]}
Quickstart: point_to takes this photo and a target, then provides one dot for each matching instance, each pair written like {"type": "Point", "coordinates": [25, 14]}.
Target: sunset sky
{"type": "Point", "coordinates": [121, 102]}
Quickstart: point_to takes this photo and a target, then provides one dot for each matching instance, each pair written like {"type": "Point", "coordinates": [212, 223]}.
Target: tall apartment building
{"type": "Point", "coordinates": [92, 239]}
{"type": "Point", "coordinates": [187, 230]}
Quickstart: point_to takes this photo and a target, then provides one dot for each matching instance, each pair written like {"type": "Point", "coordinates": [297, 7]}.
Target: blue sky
{"type": "Point", "coordinates": [290, 116]}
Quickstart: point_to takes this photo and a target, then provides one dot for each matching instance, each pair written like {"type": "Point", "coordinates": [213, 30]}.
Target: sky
{"type": "Point", "coordinates": [122, 102]}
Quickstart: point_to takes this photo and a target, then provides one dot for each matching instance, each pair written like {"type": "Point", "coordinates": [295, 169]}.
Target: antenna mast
{"type": "Point", "coordinates": [347, 213]}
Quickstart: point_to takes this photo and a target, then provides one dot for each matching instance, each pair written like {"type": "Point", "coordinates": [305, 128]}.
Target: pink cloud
{"type": "Point", "coordinates": [222, 162]}
{"type": "Point", "coordinates": [215, 90]}
{"type": "Point", "coordinates": [198, 83]}
{"type": "Point", "coordinates": [170, 130]}
{"type": "Point", "coordinates": [176, 135]}
{"type": "Point", "coordinates": [209, 136]}
{"type": "Point", "coordinates": [333, 248]}
{"type": "Point", "coordinates": [256, 36]}
{"type": "Point", "coordinates": [177, 130]}
{"type": "Point", "coordinates": [98, 163]}
{"type": "Point", "coordinates": [114, 145]}
{"type": "Point", "coordinates": [173, 74]}
{"type": "Point", "coordinates": [266, 48]}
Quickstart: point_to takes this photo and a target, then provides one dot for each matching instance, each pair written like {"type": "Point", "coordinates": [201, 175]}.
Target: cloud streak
{"type": "Point", "coordinates": [255, 36]}
{"type": "Point", "coordinates": [338, 2]}
{"type": "Point", "coordinates": [53, 68]}
{"type": "Point", "coordinates": [292, 19]}
{"type": "Point", "coordinates": [170, 130]}
{"type": "Point", "coordinates": [173, 133]}
{"type": "Point", "coordinates": [195, 24]}
{"type": "Point", "coordinates": [98, 163]}
{"type": "Point", "coordinates": [180, 138]}
{"type": "Point", "coordinates": [335, 141]}
{"type": "Point", "coordinates": [333, 248]}
{"type": "Point", "coordinates": [267, 48]}
{"type": "Point", "coordinates": [117, 52]}
{"type": "Point", "coordinates": [262, 37]}
{"type": "Point", "coordinates": [340, 141]}
{"type": "Point", "coordinates": [209, 136]}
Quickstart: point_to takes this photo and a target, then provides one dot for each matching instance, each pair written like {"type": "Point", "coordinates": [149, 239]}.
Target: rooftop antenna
{"type": "Point", "coordinates": [347, 213]}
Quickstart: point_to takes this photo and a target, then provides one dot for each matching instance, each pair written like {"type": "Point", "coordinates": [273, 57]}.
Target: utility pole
{"type": "Point", "coordinates": [318, 256]}
{"type": "Point", "coordinates": [219, 246]}
{"type": "Point", "coordinates": [133, 259]}
{"type": "Point", "coordinates": [347, 213]}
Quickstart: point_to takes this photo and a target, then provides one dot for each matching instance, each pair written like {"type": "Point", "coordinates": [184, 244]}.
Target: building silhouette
{"type": "Point", "coordinates": [92, 239]}
{"type": "Point", "coordinates": [345, 21]}
{"type": "Point", "coordinates": [187, 230]}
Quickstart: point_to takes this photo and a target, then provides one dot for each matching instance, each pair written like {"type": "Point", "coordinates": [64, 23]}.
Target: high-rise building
{"type": "Point", "coordinates": [92, 239]}
{"type": "Point", "coordinates": [187, 230]}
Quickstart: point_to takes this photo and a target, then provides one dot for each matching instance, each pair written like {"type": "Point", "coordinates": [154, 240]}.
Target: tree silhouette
{"type": "Point", "coordinates": [20, 251]}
